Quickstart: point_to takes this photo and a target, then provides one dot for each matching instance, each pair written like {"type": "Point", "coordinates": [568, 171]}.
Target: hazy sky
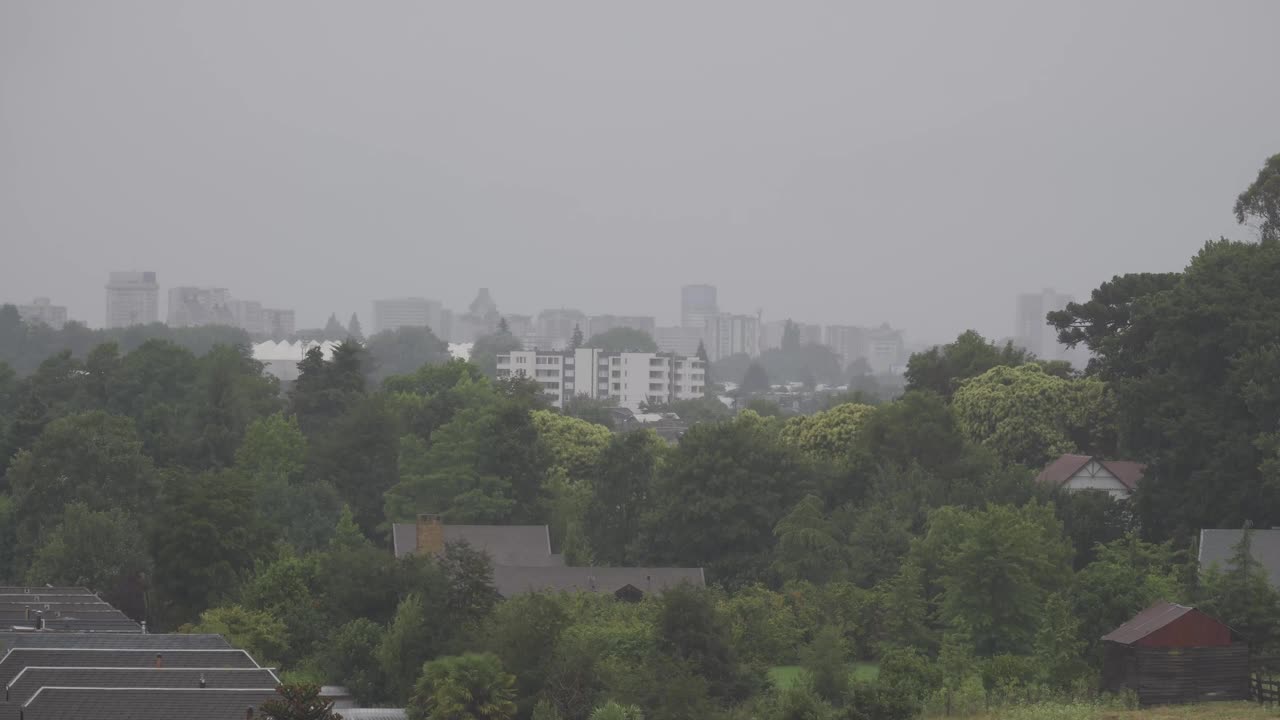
{"type": "Point", "coordinates": [911, 162]}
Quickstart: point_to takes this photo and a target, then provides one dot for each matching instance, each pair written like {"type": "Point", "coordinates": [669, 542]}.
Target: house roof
{"type": "Point", "coordinates": [515, 580]}
{"type": "Point", "coordinates": [372, 713]}
{"type": "Point", "coordinates": [1147, 622]}
{"type": "Point", "coordinates": [506, 544]}
{"type": "Point", "coordinates": [1059, 471]}
{"type": "Point", "coordinates": [43, 589]}
{"type": "Point", "coordinates": [25, 684]}
{"type": "Point", "coordinates": [18, 658]}
{"type": "Point", "coordinates": [1217, 547]}
{"type": "Point", "coordinates": [144, 703]}
{"type": "Point", "coordinates": [127, 641]}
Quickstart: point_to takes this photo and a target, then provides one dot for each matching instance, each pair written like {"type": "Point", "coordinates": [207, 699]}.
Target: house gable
{"type": "Point", "coordinates": [1095, 476]}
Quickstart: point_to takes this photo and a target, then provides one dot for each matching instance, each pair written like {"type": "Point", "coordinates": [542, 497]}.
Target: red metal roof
{"type": "Point", "coordinates": [1146, 622]}
{"type": "Point", "coordinates": [1059, 471]}
{"type": "Point", "coordinates": [1168, 625]}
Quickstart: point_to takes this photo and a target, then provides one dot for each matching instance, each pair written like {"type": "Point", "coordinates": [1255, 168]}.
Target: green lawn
{"type": "Point", "coordinates": [786, 675]}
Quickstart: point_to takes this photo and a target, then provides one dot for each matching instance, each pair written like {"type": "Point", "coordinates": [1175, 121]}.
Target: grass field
{"type": "Point", "coordinates": [786, 675]}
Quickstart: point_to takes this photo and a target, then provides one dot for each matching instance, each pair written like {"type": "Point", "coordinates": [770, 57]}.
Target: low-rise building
{"type": "Point", "coordinates": [679, 339]}
{"type": "Point", "coordinates": [395, 313]}
{"type": "Point", "coordinates": [1086, 472]}
{"type": "Point", "coordinates": [42, 310]}
{"type": "Point", "coordinates": [630, 378]}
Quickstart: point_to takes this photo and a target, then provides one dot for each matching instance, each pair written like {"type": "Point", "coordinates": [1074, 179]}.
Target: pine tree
{"type": "Point", "coordinates": [576, 341]}
{"type": "Point", "coordinates": [503, 327]}
{"type": "Point", "coordinates": [354, 331]}
{"type": "Point", "coordinates": [333, 329]}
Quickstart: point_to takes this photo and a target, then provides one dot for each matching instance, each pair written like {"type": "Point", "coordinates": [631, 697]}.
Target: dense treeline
{"type": "Point", "coordinates": [196, 493]}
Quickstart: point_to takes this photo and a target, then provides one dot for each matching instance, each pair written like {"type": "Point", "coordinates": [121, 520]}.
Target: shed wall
{"type": "Point", "coordinates": [1185, 675]}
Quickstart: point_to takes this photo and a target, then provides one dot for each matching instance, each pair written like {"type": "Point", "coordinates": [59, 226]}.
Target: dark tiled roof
{"type": "Point", "coordinates": [506, 544]}
{"type": "Point", "coordinates": [52, 703]}
{"type": "Point", "coordinates": [1147, 622]}
{"type": "Point", "coordinates": [1059, 471]}
{"type": "Point", "coordinates": [18, 658]}
{"type": "Point", "coordinates": [515, 580]}
{"type": "Point", "coordinates": [31, 679]}
{"type": "Point", "coordinates": [48, 589]}
{"type": "Point", "coordinates": [1217, 547]}
{"type": "Point", "coordinates": [124, 641]}
{"type": "Point", "coordinates": [80, 624]}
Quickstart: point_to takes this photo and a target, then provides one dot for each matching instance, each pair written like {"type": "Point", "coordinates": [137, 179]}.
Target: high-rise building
{"type": "Point", "coordinates": [395, 313]}
{"type": "Point", "coordinates": [885, 350]}
{"type": "Point", "coordinates": [847, 341]}
{"type": "Point", "coordinates": [1031, 328]}
{"type": "Point", "coordinates": [556, 326]}
{"type": "Point", "coordinates": [42, 310]}
{"type": "Point", "coordinates": [697, 303]}
{"type": "Point", "coordinates": [133, 298]}
{"type": "Point", "coordinates": [678, 339]}
{"type": "Point", "coordinates": [629, 378]}
{"type": "Point", "coordinates": [278, 324]}
{"type": "Point", "coordinates": [247, 315]}
{"type": "Point", "coordinates": [195, 306]}
{"type": "Point", "coordinates": [772, 332]}
{"type": "Point", "coordinates": [726, 334]}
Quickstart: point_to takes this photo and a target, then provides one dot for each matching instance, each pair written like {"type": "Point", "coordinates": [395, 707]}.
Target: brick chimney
{"type": "Point", "coordinates": [430, 535]}
{"type": "Point", "coordinates": [159, 660]}
{"type": "Point", "coordinates": [248, 713]}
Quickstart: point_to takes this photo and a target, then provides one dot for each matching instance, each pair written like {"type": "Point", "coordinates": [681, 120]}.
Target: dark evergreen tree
{"type": "Point", "coordinates": [354, 331]}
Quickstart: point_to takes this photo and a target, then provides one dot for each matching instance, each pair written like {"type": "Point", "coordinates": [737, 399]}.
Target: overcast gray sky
{"type": "Point", "coordinates": [918, 163]}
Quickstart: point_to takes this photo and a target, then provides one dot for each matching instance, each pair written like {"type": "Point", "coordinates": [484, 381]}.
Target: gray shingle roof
{"type": "Point", "coordinates": [372, 713]}
{"type": "Point", "coordinates": [31, 679]}
{"type": "Point", "coordinates": [124, 641]}
{"type": "Point", "coordinates": [37, 589]}
{"type": "Point", "coordinates": [1216, 547]}
{"type": "Point", "coordinates": [53, 703]}
{"type": "Point", "coordinates": [515, 580]}
{"type": "Point", "coordinates": [18, 658]}
{"type": "Point", "coordinates": [506, 544]}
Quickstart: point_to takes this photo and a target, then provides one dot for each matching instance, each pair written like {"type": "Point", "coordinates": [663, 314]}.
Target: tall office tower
{"type": "Point", "coordinates": [697, 304]}
{"type": "Point", "coordinates": [195, 306]}
{"type": "Point", "coordinates": [1031, 329]}
{"type": "Point", "coordinates": [133, 298]}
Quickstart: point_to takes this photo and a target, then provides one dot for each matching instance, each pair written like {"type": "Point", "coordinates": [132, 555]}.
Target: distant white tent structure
{"type": "Point", "coordinates": [281, 358]}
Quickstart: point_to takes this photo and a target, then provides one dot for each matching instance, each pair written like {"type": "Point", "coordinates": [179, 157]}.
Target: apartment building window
{"type": "Point", "coordinates": [656, 373]}
{"type": "Point", "coordinates": [617, 373]}
{"type": "Point", "coordinates": [655, 386]}
{"type": "Point", "coordinates": [617, 387]}
{"type": "Point", "coordinates": [504, 373]}
{"type": "Point", "coordinates": [551, 385]}
{"type": "Point", "coordinates": [522, 360]}
{"type": "Point", "coordinates": [657, 361]}
{"type": "Point", "coordinates": [548, 373]}
{"type": "Point", "coordinates": [504, 359]}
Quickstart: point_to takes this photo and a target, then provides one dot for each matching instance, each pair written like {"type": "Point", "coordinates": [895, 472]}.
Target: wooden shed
{"type": "Point", "coordinates": [1176, 654]}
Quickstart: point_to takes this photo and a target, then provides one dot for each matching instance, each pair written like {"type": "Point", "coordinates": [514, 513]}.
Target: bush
{"type": "Point", "coordinates": [879, 701]}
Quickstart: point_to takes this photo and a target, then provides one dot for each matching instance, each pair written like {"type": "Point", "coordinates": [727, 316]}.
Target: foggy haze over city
{"type": "Point", "coordinates": [918, 165]}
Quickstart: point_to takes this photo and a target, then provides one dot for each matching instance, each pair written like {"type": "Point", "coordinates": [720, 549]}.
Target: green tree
{"type": "Point", "coordinates": [826, 661]}
{"type": "Point", "coordinates": [522, 632]}
{"type": "Point", "coordinates": [598, 411]}
{"type": "Point", "coordinates": [830, 434]}
{"type": "Point", "coordinates": [404, 351]}
{"type": "Point", "coordinates": [996, 568]}
{"type": "Point", "coordinates": [354, 331]}
{"type": "Point", "coordinates": [573, 447]}
{"type": "Point", "coordinates": [575, 341]}
{"type": "Point", "coordinates": [333, 329]}
{"type": "Point", "coordinates": [358, 455]}
{"type": "Point", "coordinates": [1028, 416]}
{"type": "Point", "coordinates": [92, 458]}
{"type": "Point", "coordinates": [350, 657]}
{"type": "Point", "coordinates": [691, 631]}
{"type": "Point", "coordinates": [1241, 596]}
{"type": "Point", "coordinates": [1260, 202]}
{"type": "Point", "coordinates": [623, 339]}
{"type": "Point", "coordinates": [807, 547]}
{"type": "Point", "coordinates": [1127, 575]}
{"type": "Point", "coordinates": [230, 392]}
{"type": "Point", "coordinates": [941, 369]}
{"type": "Point", "coordinates": [621, 494]}
{"type": "Point", "coordinates": [299, 702]}
{"type": "Point", "coordinates": [615, 711]}
{"type": "Point", "coordinates": [756, 380]}
{"type": "Point", "coordinates": [1191, 360]}
{"type": "Point", "coordinates": [260, 633]}
{"type": "Point", "coordinates": [207, 543]}
{"type": "Point", "coordinates": [93, 549]}
{"type": "Point", "coordinates": [716, 502]}
{"type": "Point", "coordinates": [1057, 644]}
{"type": "Point", "coordinates": [408, 642]}
{"type": "Point", "coordinates": [465, 687]}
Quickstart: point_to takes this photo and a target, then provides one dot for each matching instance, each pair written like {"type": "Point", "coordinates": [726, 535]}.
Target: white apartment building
{"type": "Point", "coordinates": [42, 310]}
{"type": "Point", "coordinates": [630, 378]}
{"type": "Point", "coordinates": [133, 298]}
{"type": "Point", "coordinates": [395, 313]}
{"type": "Point", "coordinates": [278, 323]}
{"type": "Point", "coordinates": [247, 315]}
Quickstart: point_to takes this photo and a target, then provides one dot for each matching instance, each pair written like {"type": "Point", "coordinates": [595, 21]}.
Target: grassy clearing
{"type": "Point", "coordinates": [1208, 711]}
{"type": "Point", "coordinates": [784, 676]}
